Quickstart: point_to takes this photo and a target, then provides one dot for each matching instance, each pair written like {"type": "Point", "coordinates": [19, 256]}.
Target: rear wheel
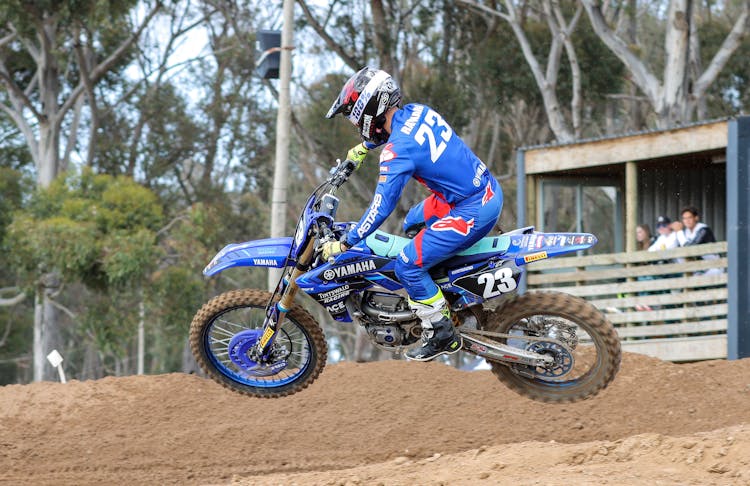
{"type": "Point", "coordinates": [585, 365]}
{"type": "Point", "coordinates": [226, 328]}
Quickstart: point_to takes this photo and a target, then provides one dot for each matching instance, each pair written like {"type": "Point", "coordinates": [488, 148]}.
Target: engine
{"type": "Point", "coordinates": [388, 319]}
{"type": "Point", "coordinates": [385, 302]}
{"type": "Point", "coordinates": [385, 335]}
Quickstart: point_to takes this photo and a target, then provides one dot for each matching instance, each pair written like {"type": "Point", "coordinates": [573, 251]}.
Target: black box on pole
{"type": "Point", "coordinates": [270, 53]}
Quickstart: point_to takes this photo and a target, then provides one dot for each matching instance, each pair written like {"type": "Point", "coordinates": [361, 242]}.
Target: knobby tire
{"type": "Point", "coordinates": [575, 309]}
{"type": "Point", "coordinates": [256, 299]}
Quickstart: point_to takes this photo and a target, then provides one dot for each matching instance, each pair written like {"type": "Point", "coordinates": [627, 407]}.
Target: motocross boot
{"type": "Point", "coordinates": [438, 334]}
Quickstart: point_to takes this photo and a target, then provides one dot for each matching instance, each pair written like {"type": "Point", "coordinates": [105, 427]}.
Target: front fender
{"type": "Point", "coordinates": [269, 252]}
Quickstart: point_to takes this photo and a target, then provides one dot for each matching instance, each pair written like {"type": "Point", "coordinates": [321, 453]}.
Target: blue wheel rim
{"type": "Point", "coordinates": [224, 326]}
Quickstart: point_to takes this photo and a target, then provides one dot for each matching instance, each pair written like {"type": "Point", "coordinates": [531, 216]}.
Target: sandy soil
{"type": "Point", "coordinates": [387, 423]}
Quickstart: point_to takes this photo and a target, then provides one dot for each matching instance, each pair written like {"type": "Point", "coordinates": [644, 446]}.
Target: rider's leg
{"type": "Point", "coordinates": [463, 226]}
{"type": "Point", "coordinates": [438, 334]}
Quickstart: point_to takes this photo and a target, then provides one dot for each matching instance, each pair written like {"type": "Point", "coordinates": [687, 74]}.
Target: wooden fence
{"type": "Point", "coordinates": [670, 304]}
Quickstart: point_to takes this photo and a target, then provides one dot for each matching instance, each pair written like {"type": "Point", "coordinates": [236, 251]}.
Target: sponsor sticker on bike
{"type": "Point", "coordinates": [535, 242]}
{"type": "Point", "coordinates": [267, 335]}
{"type": "Point", "coordinates": [350, 269]}
{"type": "Point", "coordinates": [535, 257]}
{"type": "Point", "coordinates": [336, 308]}
{"type": "Point", "coordinates": [489, 283]}
{"type": "Point", "coordinates": [264, 262]}
{"type": "Point", "coordinates": [334, 295]}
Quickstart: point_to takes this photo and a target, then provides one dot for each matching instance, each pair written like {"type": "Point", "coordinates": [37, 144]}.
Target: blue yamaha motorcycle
{"type": "Point", "coordinates": [547, 346]}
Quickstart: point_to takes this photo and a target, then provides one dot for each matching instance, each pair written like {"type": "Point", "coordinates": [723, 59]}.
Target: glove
{"type": "Point", "coordinates": [357, 155]}
{"type": "Point", "coordinates": [332, 248]}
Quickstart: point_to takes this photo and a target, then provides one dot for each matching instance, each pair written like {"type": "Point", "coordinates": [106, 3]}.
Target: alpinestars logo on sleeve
{"type": "Point", "coordinates": [450, 223]}
{"type": "Point", "coordinates": [388, 153]}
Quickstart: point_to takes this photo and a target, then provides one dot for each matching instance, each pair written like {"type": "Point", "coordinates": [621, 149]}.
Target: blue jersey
{"type": "Point", "coordinates": [421, 145]}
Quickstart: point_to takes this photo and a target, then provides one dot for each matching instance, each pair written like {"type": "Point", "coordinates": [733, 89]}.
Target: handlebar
{"type": "Point", "coordinates": [341, 173]}
{"type": "Point", "coordinates": [326, 231]}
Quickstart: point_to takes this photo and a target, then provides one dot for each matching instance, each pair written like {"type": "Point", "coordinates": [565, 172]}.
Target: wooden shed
{"type": "Point", "coordinates": [607, 186]}
{"type": "Point", "coordinates": [645, 175]}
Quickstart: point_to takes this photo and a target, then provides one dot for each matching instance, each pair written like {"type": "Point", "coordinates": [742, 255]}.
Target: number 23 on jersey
{"type": "Point", "coordinates": [432, 130]}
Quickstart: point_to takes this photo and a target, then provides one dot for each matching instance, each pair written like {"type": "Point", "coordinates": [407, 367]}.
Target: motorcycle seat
{"type": "Point", "coordinates": [387, 245]}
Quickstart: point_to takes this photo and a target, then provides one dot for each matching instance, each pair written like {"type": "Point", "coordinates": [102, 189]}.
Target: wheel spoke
{"type": "Point", "coordinates": [222, 332]}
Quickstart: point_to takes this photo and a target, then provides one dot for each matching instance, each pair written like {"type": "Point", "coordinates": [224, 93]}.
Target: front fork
{"type": "Point", "coordinates": [288, 290]}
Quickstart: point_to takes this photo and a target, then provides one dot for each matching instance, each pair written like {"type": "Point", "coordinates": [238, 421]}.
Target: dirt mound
{"type": "Point", "coordinates": [183, 429]}
{"type": "Point", "coordinates": [720, 457]}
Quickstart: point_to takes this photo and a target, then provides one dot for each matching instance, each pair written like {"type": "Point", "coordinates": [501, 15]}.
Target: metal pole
{"type": "Point", "coordinates": [521, 197]}
{"type": "Point", "coordinates": [521, 202]}
{"type": "Point", "coordinates": [738, 238]}
{"type": "Point", "coordinates": [141, 335]}
{"type": "Point", "coordinates": [283, 128]}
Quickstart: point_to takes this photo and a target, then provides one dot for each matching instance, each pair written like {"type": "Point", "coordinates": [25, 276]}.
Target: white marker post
{"type": "Point", "coordinates": [56, 360]}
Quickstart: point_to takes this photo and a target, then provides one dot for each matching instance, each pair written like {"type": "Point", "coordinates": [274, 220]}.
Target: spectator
{"type": "Point", "coordinates": [697, 233]}
{"type": "Point", "coordinates": [643, 241]}
{"type": "Point", "coordinates": [694, 232]}
{"type": "Point", "coordinates": [643, 237]}
{"type": "Point", "coordinates": [667, 237]}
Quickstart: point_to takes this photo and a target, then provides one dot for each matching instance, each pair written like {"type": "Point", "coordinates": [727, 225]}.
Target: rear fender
{"type": "Point", "coordinates": [532, 247]}
{"type": "Point", "coordinates": [269, 252]}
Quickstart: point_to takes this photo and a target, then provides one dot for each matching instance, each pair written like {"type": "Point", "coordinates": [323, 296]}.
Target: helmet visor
{"type": "Point", "coordinates": [344, 102]}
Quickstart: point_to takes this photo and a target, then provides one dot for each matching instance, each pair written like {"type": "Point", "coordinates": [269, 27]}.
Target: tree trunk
{"type": "Point", "coordinates": [670, 105]}
{"type": "Point", "coordinates": [46, 331]}
{"type": "Point", "coordinates": [92, 364]}
{"type": "Point", "coordinates": [141, 334]}
{"type": "Point", "coordinates": [189, 365]}
{"type": "Point", "coordinates": [383, 41]}
{"type": "Point", "coordinates": [49, 138]}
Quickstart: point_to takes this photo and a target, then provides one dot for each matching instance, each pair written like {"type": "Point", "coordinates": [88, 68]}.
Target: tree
{"type": "Point", "coordinates": [94, 229]}
{"type": "Point", "coordinates": [684, 82]}
{"type": "Point", "coordinates": [43, 85]}
{"type": "Point", "coordinates": [561, 30]}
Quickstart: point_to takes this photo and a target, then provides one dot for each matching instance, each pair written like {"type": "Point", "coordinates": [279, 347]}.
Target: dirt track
{"type": "Point", "coordinates": [387, 422]}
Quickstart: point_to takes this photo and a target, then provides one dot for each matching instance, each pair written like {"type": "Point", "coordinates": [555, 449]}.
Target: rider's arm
{"type": "Point", "coordinates": [394, 174]}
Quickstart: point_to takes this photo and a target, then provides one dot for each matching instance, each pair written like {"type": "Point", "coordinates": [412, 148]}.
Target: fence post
{"type": "Point", "coordinates": [738, 238]}
{"type": "Point", "coordinates": [521, 203]}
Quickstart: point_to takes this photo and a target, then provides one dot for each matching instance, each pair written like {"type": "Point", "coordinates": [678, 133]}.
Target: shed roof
{"type": "Point", "coordinates": [618, 149]}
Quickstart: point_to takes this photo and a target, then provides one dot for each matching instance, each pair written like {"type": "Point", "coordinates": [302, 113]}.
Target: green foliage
{"type": "Point", "coordinates": [96, 229]}
{"type": "Point", "coordinates": [56, 242]}
{"type": "Point", "coordinates": [730, 93]}
{"type": "Point", "coordinates": [128, 257]}
{"type": "Point", "coordinates": [126, 205]}
{"type": "Point", "coordinates": [110, 323]}
{"type": "Point", "coordinates": [105, 23]}
{"type": "Point", "coordinates": [447, 95]}
{"type": "Point", "coordinates": [11, 191]}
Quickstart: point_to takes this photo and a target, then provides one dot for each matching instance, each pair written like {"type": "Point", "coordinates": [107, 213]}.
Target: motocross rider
{"type": "Point", "coordinates": [465, 203]}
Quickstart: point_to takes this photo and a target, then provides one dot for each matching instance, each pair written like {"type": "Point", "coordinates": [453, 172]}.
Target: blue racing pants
{"type": "Point", "coordinates": [449, 230]}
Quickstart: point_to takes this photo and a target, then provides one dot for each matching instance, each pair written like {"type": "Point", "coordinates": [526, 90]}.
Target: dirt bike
{"type": "Point", "coordinates": [547, 346]}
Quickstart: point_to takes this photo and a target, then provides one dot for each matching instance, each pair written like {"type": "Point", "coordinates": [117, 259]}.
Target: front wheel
{"type": "Point", "coordinates": [226, 328]}
{"type": "Point", "coordinates": [584, 364]}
